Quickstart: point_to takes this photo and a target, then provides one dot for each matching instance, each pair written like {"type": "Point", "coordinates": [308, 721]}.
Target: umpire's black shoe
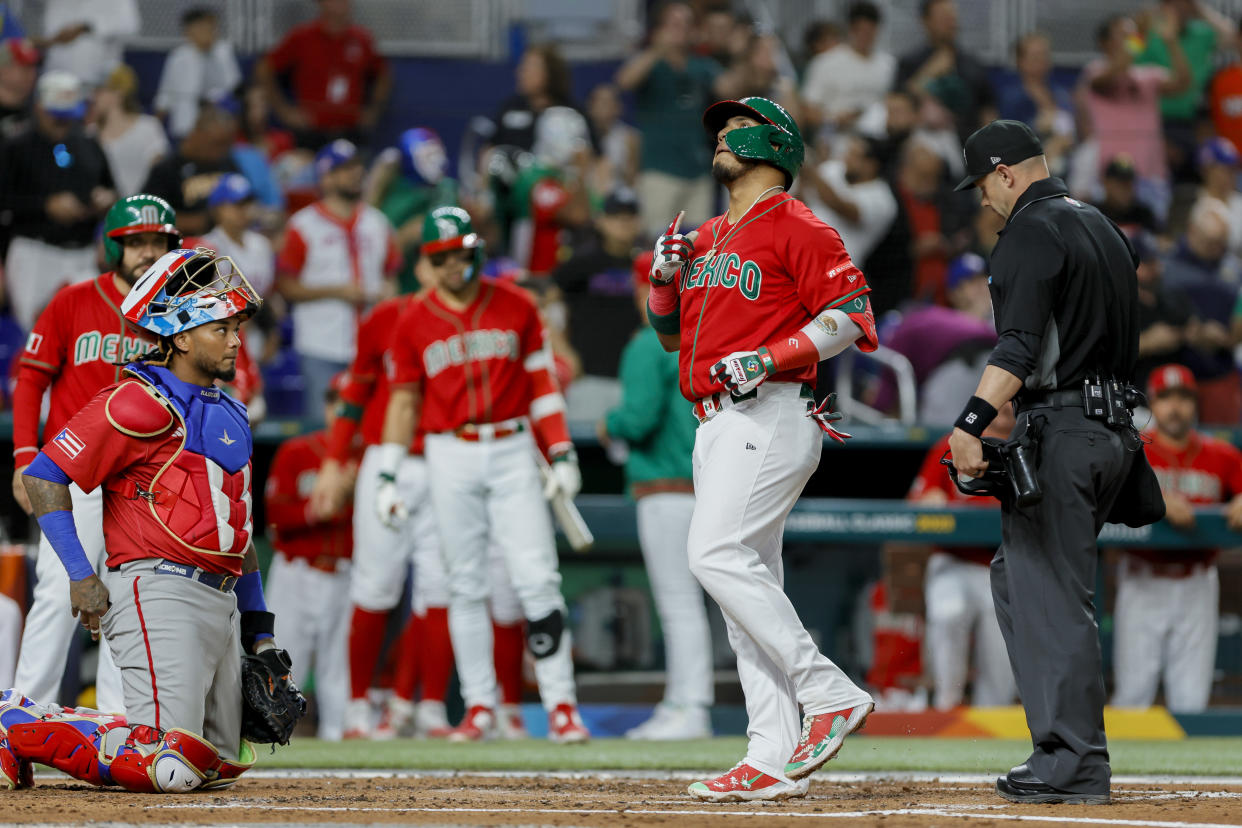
{"type": "Point", "coordinates": [1022, 786]}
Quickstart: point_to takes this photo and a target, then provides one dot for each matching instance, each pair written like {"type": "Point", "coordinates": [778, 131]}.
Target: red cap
{"type": "Point", "coordinates": [22, 51]}
{"type": "Point", "coordinates": [642, 268]}
{"type": "Point", "coordinates": [1171, 377]}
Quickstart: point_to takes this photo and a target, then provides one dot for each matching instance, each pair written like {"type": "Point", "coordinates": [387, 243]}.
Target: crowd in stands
{"type": "Point", "coordinates": [566, 192]}
{"type": "Point", "coordinates": [279, 168]}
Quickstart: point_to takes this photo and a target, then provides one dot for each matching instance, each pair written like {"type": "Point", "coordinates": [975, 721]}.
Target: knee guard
{"type": "Point", "coordinates": [177, 762]}
{"type": "Point", "coordinates": [543, 636]}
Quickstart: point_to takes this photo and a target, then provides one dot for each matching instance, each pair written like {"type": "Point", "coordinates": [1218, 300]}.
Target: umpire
{"type": "Point", "coordinates": [1064, 293]}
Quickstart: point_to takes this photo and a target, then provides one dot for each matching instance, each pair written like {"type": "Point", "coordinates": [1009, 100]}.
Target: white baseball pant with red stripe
{"type": "Point", "coordinates": [176, 643]}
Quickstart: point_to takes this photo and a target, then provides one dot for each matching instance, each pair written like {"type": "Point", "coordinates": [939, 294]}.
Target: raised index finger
{"type": "Point", "coordinates": [672, 228]}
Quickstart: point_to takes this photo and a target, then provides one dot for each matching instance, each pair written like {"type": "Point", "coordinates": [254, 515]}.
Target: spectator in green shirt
{"type": "Point", "coordinates": [1199, 28]}
{"type": "Point", "coordinates": [672, 86]}
{"type": "Point", "coordinates": [656, 425]}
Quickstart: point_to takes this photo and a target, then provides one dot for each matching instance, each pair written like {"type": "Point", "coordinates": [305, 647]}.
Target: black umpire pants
{"type": "Point", "coordinates": [1043, 585]}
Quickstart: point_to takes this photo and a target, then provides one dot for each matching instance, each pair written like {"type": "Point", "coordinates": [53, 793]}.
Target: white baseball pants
{"type": "Point", "coordinates": [1165, 629]}
{"type": "Point", "coordinates": [751, 462]}
{"type": "Point", "coordinates": [35, 270]}
{"type": "Point", "coordinates": [489, 494]}
{"type": "Point", "coordinates": [382, 556]}
{"type": "Point", "coordinates": [50, 624]}
{"type": "Point", "coordinates": [958, 594]}
{"type": "Point", "coordinates": [312, 623]}
{"type": "Point", "coordinates": [663, 528]}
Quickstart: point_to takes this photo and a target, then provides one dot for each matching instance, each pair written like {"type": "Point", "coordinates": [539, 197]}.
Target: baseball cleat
{"type": "Point", "coordinates": [509, 724]}
{"type": "Point", "coordinates": [565, 726]}
{"type": "Point", "coordinates": [10, 768]}
{"type": "Point", "coordinates": [479, 725]}
{"type": "Point", "coordinates": [397, 722]}
{"type": "Point", "coordinates": [671, 723]}
{"type": "Point", "coordinates": [357, 719]}
{"type": "Point", "coordinates": [431, 721]}
{"type": "Point", "coordinates": [822, 737]}
{"type": "Point", "coordinates": [747, 784]}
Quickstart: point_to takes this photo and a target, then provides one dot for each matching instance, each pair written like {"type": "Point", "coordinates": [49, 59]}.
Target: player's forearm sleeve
{"type": "Point", "coordinates": [825, 336]}
{"type": "Point", "coordinates": [27, 399]}
{"type": "Point", "coordinates": [62, 534]}
{"type": "Point", "coordinates": [249, 591]}
{"type": "Point", "coordinates": [663, 309]}
{"type": "Point", "coordinates": [341, 436]}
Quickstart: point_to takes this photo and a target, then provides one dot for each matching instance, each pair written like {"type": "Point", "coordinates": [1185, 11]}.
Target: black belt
{"type": "Point", "coordinates": [1050, 399]}
{"type": "Point", "coordinates": [215, 580]}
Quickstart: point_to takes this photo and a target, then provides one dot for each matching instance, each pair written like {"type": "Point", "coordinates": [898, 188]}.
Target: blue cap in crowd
{"type": "Point", "coordinates": [337, 153]}
{"type": "Point", "coordinates": [1218, 151]}
{"type": "Point", "coordinates": [232, 188]}
{"type": "Point", "coordinates": [964, 267]}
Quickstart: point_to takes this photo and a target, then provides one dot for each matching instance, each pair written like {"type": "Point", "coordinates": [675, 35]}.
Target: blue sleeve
{"type": "Point", "coordinates": [62, 533]}
{"type": "Point", "coordinates": [44, 468]}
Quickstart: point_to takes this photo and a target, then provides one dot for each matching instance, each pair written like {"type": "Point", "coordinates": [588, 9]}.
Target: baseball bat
{"type": "Point", "coordinates": [567, 515]}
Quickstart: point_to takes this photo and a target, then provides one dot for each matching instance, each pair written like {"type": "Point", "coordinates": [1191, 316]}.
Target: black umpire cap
{"type": "Point", "coordinates": [1000, 142]}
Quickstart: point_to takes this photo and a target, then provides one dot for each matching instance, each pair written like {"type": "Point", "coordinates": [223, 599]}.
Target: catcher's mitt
{"type": "Point", "coordinates": [271, 702]}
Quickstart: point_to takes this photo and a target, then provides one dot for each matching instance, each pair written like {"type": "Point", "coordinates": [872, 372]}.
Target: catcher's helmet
{"type": "Point", "coordinates": [188, 288]}
{"type": "Point", "coordinates": [139, 213]}
{"type": "Point", "coordinates": [775, 140]}
{"type": "Point", "coordinates": [450, 228]}
{"type": "Point", "coordinates": [423, 159]}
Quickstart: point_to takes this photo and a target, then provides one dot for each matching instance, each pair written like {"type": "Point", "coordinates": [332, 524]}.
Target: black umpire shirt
{"type": "Point", "coordinates": [34, 167]}
{"type": "Point", "coordinates": [1064, 291]}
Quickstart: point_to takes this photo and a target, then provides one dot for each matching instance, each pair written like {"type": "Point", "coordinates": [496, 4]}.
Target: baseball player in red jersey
{"type": "Point", "coordinates": [308, 581]}
{"type": "Point", "coordinates": [957, 593]}
{"type": "Point", "coordinates": [1168, 599]}
{"type": "Point", "coordinates": [753, 300]}
{"type": "Point", "coordinates": [383, 555]}
{"type": "Point", "coordinates": [77, 347]}
{"type": "Point", "coordinates": [172, 454]}
{"type": "Point", "coordinates": [471, 357]}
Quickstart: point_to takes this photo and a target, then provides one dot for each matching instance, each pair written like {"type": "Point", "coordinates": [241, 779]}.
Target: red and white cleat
{"type": "Point", "coordinates": [430, 720]}
{"type": "Point", "coordinates": [14, 773]}
{"type": "Point", "coordinates": [397, 721]}
{"type": "Point", "coordinates": [357, 719]}
{"type": "Point", "coordinates": [479, 725]}
{"type": "Point", "coordinates": [747, 784]}
{"type": "Point", "coordinates": [822, 737]}
{"type": "Point", "coordinates": [509, 724]}
{"type": "Point", "coordinates": [565, 726]}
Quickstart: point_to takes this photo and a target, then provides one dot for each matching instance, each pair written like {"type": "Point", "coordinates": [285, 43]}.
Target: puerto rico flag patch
{"type": "Point", "coordinates": [70, 443]}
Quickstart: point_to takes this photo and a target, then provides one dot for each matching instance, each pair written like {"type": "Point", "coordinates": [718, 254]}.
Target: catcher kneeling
{"type": "Point", "coordinates": [182, 599]}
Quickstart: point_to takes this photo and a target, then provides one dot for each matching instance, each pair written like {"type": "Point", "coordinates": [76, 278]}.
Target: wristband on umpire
{"type": "Point", "coordinates": [977, 416]}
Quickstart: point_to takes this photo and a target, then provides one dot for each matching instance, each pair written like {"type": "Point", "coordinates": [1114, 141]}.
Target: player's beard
{"type": "Point", "coordinates": [350, 194]}
{"type": "Point", "coordinates": [214, 369]}
{"type": "Point", "coordinates": [727, 168]}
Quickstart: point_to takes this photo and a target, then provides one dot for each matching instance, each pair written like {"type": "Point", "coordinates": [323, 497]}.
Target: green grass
{"type": "Point", "coordinates": [1206, 756]}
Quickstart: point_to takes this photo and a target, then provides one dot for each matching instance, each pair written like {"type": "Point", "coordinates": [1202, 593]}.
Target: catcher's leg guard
{"type": "Point", "coordinates": [178, 762]}
{"type": "Point", "coordinates": [10, 768]}
{"type": "Point", "coordinates": [73, 744]}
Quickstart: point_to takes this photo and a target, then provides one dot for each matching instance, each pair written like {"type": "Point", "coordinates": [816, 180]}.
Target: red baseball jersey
{"type": "Point", "coordinates": [197, 512]}
{"type": "Point", "coordinates": [486, 363]}
{"type": "Point", "coordinates": [289, 484]}
{"type": "Point", "coordinates": [73, 347]}
{"type": "Point", "coordinates": [365, 392]}
{"type": "Point", "coordinates": [1204, 471]}
{"type": "Point", "coordinates": [771, 273]}
{"type": "Point", "coordinates": [933, 477]}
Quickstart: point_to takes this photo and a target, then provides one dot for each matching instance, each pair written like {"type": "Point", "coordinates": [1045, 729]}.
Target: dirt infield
{"type": "Point", "coordinates": [603, 800]}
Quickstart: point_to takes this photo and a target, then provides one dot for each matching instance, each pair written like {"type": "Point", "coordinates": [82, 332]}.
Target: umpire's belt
{"type": "Point", "coordinates": [708, 407]}
{"type": "Point", "coordinates": [1050, 399]}
{"type": "Point", "coordinates": [485, 432]}
{"type": "Point", "coordinates": [215, 580]}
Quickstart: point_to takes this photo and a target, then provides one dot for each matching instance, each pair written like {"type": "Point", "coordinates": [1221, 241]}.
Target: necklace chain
{"type": "Point", "coordinates": [711, 253]}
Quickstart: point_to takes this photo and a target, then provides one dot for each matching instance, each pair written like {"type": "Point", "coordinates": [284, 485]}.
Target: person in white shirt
{"type": "Point", "coordinates": [847, 79]}
{"type": "Point", "coordinates": [132, 140]}
{"type": "Point", "coordinates": [202, 68]}
{"type": "Point", "coordinates": [85, 37]}
{"type": "Point", "coordinates": [1219, 163]}
{"type": "Point", "coordinates": [232, 208]}
{"type": "Point", "coordinates": [851, 197]}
